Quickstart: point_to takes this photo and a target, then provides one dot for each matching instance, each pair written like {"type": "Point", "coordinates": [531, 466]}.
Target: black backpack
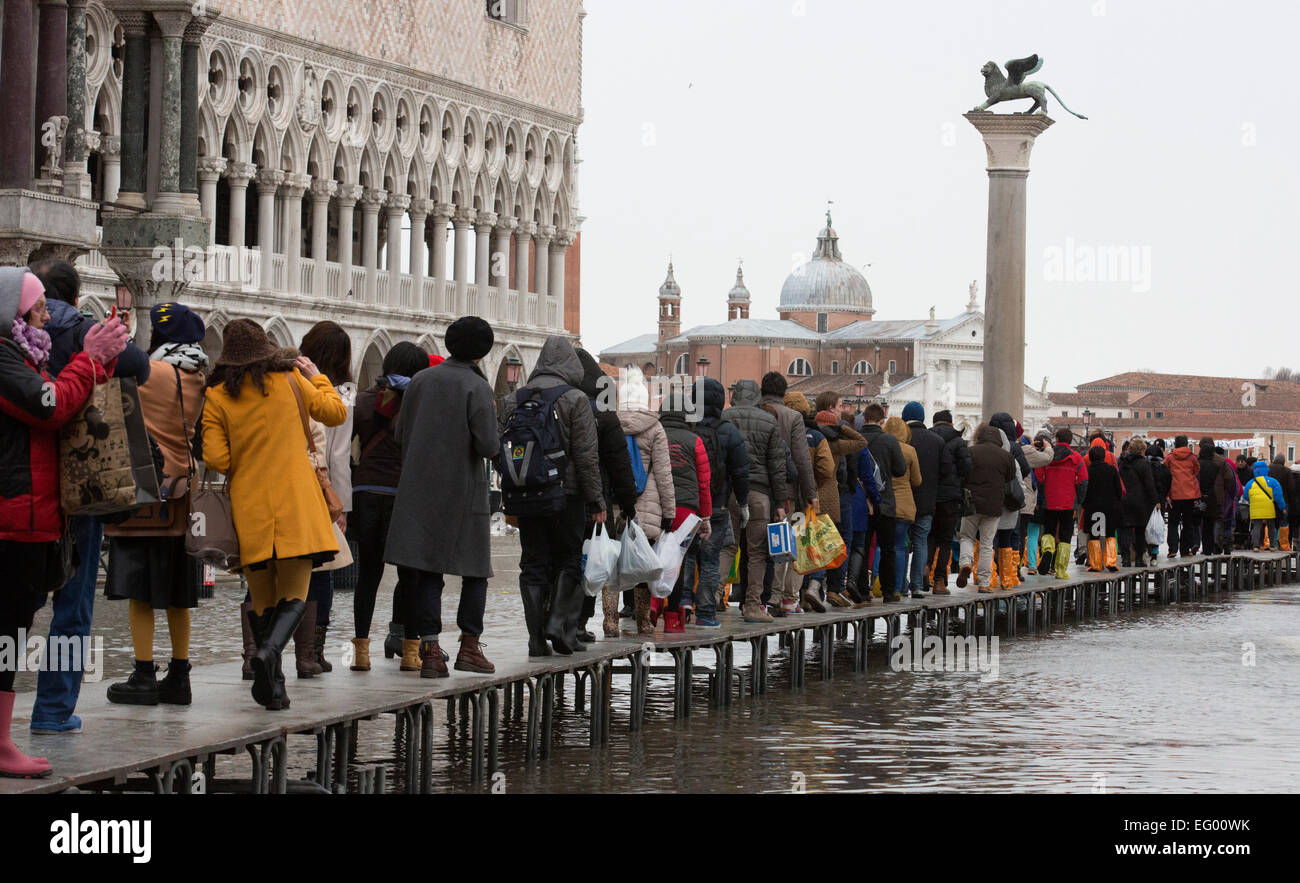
{"type": "Point", "coordinates": [532, 459]}
{"type": "Point", "coordinates": [717, 457]}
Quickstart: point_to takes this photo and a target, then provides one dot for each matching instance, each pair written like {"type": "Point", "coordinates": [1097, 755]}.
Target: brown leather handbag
{"type": "Point", "coordinates": [170, 516]}
{"type": "Point", "coordinates": [332, 501]}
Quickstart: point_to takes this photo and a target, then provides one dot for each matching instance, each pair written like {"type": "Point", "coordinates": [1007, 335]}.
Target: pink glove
{"type": "Point", "coordinates": [105, 341]}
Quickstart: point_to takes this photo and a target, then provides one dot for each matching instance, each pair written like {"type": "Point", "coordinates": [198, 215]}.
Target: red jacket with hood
{"type": "Point", "coordinates": [1184, 467]}
{"type": "Point", "coordinates": [1062, 477]}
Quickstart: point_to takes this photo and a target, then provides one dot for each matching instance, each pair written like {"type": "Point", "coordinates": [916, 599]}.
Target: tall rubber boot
{"type": "Point", "coordinates": [1284, 538]}
{"type": "Point", "coordinates": [258, 624]}
{"type": "Point", "coordinates": [994, 581]}
{"type": "Point", "coordinates": [854, 573]}
{"type": "Point", "coordinates": [1046, 552]}
{"type": "Point", "coordinates": [562, 625]}
{"type": "Point", "coordinates": [1094, 556]}
{"type": "Point", "coordinates": [531, 595]}
{"type": "Point", "coordinates": [1061, 558]}
{"type": "Point", "coordinates": [283, 622]}
{"type": "Point", "coordinates": [304, 643]}
{"type": "Point", "coordinates": [13, 763]}
{"type": "Point", "coordinates": [1006, 566]}
{"type": "Point", "coordinates": [1112, 554]}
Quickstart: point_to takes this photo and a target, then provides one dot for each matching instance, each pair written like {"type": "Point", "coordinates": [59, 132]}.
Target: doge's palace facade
{"type": "Point", "coordinates": [387, 165]}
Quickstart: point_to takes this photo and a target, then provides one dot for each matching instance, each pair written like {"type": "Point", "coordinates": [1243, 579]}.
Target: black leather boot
{"type": "Point", "coordinates": [284, 622]}
{"type": "Point", "coordinates": [257, 625]}
{"type": "Point", "coordinates": [393, 643]}
{"type": "Point", "coordinates": [250, 643]}
{"type": "Point", "coordinates": [852, 576]}
{"type": "Point", "coordinates": [141, 688]}
{"type": "Point", "coordinates": [174, 688]}
{"type": "Point", "coordinates": [534, 619]}
{"type": "Point", "coordinates": [562, 625]}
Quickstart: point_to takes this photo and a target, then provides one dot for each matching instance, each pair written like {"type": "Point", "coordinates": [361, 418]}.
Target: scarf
{"type": "Point", "coordinates": [188, 357]}
{"type": "Point", "coordinates": [34, 342]}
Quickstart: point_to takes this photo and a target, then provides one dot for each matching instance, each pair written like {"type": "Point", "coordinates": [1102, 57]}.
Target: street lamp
{"type": "Point", "coordinates": [859, 389]}
{"type": "Point", "coordinates": [702, 367]}
{"type": "Point", "coordinates": [1087, 419]}
{"type": "Point", "coordinates": [514, 368]}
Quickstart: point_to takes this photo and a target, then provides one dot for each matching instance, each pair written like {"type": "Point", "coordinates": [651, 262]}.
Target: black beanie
{"type": "Point", "coordinates": [469, 338]}
{"type": "Point", "coordinates": [943, 416]}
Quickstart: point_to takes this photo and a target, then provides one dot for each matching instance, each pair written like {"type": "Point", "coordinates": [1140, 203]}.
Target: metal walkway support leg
{"type": "Point", "coordinates": [534, 719]}
{"type": "Point", "coordinates": [493, 728]}
{"type": "Point", "coordinates": [640, 686]}
{"type": "Point", "coordinates": [548, 714]}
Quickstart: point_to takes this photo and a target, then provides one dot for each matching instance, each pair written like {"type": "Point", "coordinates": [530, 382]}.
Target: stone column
{"type": "Point", "coordinates": [238, 174]}
{"type": "Point", "coordinates": [559, 247]}
{"type": "Point", "coordinates": [110, 155]}
{"type": "Point", "coordinates": [419, 261]}
{"type": "Point", "coordinates": [18, 132]}
{"type": "Point", "coordinates": [321, 191]}
{"type": "Point", "coordinates": [394, 211]}
{"type": "Point", "coordinates": [268, 183]}
{"type": "Point", "coordinates": [190, 105]}
{"type": "Point", "coordinates": [371, 202]}
{"type": "Point", "coordinates": [348, 196]}
{"type": "Point", "coordinates": [483, 225]}
{"type": "Point", "coordinates": [542, 271]}
{"type": "Point", "coordinates": [209, 171]}
{"type": "Point", "coordinates": [1008, 140]}
{"type": "Point", "coordinates": [523, 236]}
{"type": "Point", "coordinates": [442, 213]}
{"type": "Point", "coordinates": [501, 253]}
{"type": "Point", "coordinates": [169, 199]}
{"type": "Point", "coordinates": [461, 222]}
{"type": "Point", "coordinates": [76, 183]}
{"type": "Point", "coordinates": [51, 68]}
{"type": "Point", "coordinates": [295, 185]}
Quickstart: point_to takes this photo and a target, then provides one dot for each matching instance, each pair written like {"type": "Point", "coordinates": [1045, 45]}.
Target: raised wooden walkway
{"type": "Point", "coordinates": [161, 749]}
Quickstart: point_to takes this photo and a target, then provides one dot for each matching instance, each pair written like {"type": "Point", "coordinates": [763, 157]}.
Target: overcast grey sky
{"type": "Point", "coordinates": [716, 130]}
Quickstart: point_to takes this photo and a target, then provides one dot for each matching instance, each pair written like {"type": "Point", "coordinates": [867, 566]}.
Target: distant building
{"type": "Point", "coordinates": [826, 338]}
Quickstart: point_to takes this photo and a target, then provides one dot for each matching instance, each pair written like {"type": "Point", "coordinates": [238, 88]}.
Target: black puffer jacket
{"type": "Point", "coordinates": [734, 476]}
{"type": "Point", "coordinates": [954, 463]}
{"type": "Point", "coordinates": [888, 455]}
{"type": "Point", "coordinates": [929, 453]}
{"type": "Point", "coordinates": [767, 452]}
{"type": "Point", "coordinates": [1135, 472]}
{"type": "Point", "coordinates": [615, 466]}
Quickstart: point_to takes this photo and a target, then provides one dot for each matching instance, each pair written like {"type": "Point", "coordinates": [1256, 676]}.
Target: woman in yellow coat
{"type": "Point", "coordinates": [253, 433]}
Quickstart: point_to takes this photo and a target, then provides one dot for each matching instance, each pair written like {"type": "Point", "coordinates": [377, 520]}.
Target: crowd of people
{"type": "Point", "coordinates": [400, 469]}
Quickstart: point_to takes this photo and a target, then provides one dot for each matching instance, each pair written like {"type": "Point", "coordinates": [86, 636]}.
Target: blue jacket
{"type": "Point", "coordinates": [1260, 504]}
{"type": "Point", "coordinates": [67, 329]}
{"type": "Point", "coordinates": [866, 490]}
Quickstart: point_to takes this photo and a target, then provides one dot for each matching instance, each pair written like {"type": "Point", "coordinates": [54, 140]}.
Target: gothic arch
{"type": "Point", "coordinates": [209, 131]}
{"type": "Point", "coordinates": [266, 147]}
{"type": "Point", "coordinates": [236, 144]}
{"type": "Point", "coordinates": [293, 155]}
{"type": "Point", "coordinates": [430, 345]}
{"type": "Point", "coordinates": [371, 164]}
{"type": "Point", "coordinates": [440, 182]}
{"type": "Point", "coordinates": [370, 365]}
{"type": "Point", "coordinates": [106, 112]}
{"type": "Point", "coordinates": [278, 330]}
{"type": "Point", "coordinates": [346, 159]}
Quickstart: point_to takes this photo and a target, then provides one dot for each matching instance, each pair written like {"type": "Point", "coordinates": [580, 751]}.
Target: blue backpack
{"type": "Point", "coordinates": [532, 459]}
{"type": "Point", "coordinates": [638, 468]}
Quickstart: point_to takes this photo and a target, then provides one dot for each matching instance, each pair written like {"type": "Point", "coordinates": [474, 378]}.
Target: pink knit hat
{"type": "Point", "coordinates": [33, 290]}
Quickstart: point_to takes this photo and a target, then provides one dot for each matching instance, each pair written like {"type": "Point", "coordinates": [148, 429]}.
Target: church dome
{"type": "Point", "coordinates": [826, 283]}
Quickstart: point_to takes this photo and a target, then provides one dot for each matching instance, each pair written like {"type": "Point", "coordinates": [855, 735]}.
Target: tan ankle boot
{"type": "Point", "coordinates": [361, 654]}
{"type": "Point", "coordinates": [609, 602]}
{"type": "Point", "coordinates": [411, 660]}
{"type": "Point", "coordinates": [643, 624]}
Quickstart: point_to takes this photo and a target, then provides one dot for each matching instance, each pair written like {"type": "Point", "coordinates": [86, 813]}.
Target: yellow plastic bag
{"type": "Point", "coordinates": [819, 544]}
{"type": "Point", "coordinates": [733, 577]}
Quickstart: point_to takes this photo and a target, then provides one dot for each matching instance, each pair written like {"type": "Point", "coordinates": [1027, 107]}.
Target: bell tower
{"type": "Point", "coordinates": [670, 307]}
{"type": "Point", "coordinates": [738, 297]}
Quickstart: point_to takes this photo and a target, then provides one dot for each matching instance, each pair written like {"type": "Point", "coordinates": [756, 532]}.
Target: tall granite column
{"type": "Point", "coordinates": [135, 108]}
{"type": "Point", "coordinates": [169, 199]}
{"type": "Point", "coordinates": [18, 133]}
{"type": "Point", "coordinates": [76, 183]}
{"type": "Point", "coordinates": [51, 67]}
{"type": "Point", "coordinates": [1008, 140]}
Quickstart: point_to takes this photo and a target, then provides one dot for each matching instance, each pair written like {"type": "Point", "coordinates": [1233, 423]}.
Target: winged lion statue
{"type": "Point", "coordinates": [1013, 86]}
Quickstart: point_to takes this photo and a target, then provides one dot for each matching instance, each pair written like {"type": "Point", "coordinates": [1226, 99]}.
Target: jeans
{"type": "Point", "coordinates": [423, 601]}
{"type": "Point", "coordinates": [706, 554]}
{"type": "Point", "coordinates": [901, 530]}
{"type": "Point", "coordinates": [920, 536]}
{"type": "Point", "coordinates": [74, 607]}
{"type": "Point", "coordinates": [882, 528]}
{"type": "Point", "coordinates": [1257, 526]}
{"type": "Point", "coordinates": [1183, 513]}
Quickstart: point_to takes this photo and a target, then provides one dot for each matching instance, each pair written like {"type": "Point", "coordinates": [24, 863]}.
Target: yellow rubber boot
{"type": "Point", "coordinates": [1112, 554]}
{"type": "Point", "coordinates": [1062, 559]}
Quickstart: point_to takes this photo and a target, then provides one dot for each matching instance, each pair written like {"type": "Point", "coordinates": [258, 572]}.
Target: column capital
{"type": "Point", "coordinates": [506, 224]}
{"type": "Point", "coordinates": [135, 24]}
{"type": "Point", "coordinates": [322, 189]}
{"type": "Point", "coordinates": [240, 173]}
{"type": "Point", "coordinates": [197, 27]}
{"type": "Point", "coordinates": [484, 222]}
{"type": "Point", "coordinates": [268, 180]}
{"type": "Point", "coordinates": [110, 146]}
{"type": "Point", "coordinates": [397, 204]}
{"type": "Point", "coordinates": [464, 217]}
{"type": "Point", "coordinates": [564, 238]}
{"type": "Point", "coordinates": [211, 167]}
{"type": "Point", "coordinates": [349, 194]}
{"type": "Point", "coordinates": [1008, 137]}
{"type": "Point", "coordinates": [525, 229]}
{"type": "Point", "coordinates": [296, 184]}
{"type": "Point", "coordinates": [172, 23]}
{"type": "Point", "coordinates": [545, 233]}
{"type": "Point", "coordinates": [372, 200]}
{"type": "Point", "coordinates": [421, 207]}
{"type": "Point", "coordinates": [443, 211]}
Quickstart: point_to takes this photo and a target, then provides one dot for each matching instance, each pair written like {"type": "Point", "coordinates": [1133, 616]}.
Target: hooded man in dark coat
{"type": "Point", "coordinates": [440, 523]}
{"type": "Point", "coordinates": [1139, 503]}
{"type": "Point", "coordinates": [550, 563]}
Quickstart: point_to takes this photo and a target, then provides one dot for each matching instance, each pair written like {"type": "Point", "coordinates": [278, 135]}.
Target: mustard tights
{"type": "Point", "coordinates": [142, 627]}
{"type": "Point", "coordinates": [281, 579]}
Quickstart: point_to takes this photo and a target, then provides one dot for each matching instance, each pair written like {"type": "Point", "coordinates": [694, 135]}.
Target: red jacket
{"type": "Point", "coordinates": [1184, 467]}
{"type": "Point", "coordinates": [1061, 477]}
{"type": "Point", "coordinates": [703, 506]}
{"type": "Point", "coordinates": [33, 407]}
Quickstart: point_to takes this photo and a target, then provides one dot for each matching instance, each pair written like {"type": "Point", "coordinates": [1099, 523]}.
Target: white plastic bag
{"type": "Point", "coordinates": [671, 548]}
{"type": "Point", "coordinates": [601, 554]}
{"type": "Point", "coordinates": [637, 561]}
{"type": "Point", "coordinates": [1156, 530]}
